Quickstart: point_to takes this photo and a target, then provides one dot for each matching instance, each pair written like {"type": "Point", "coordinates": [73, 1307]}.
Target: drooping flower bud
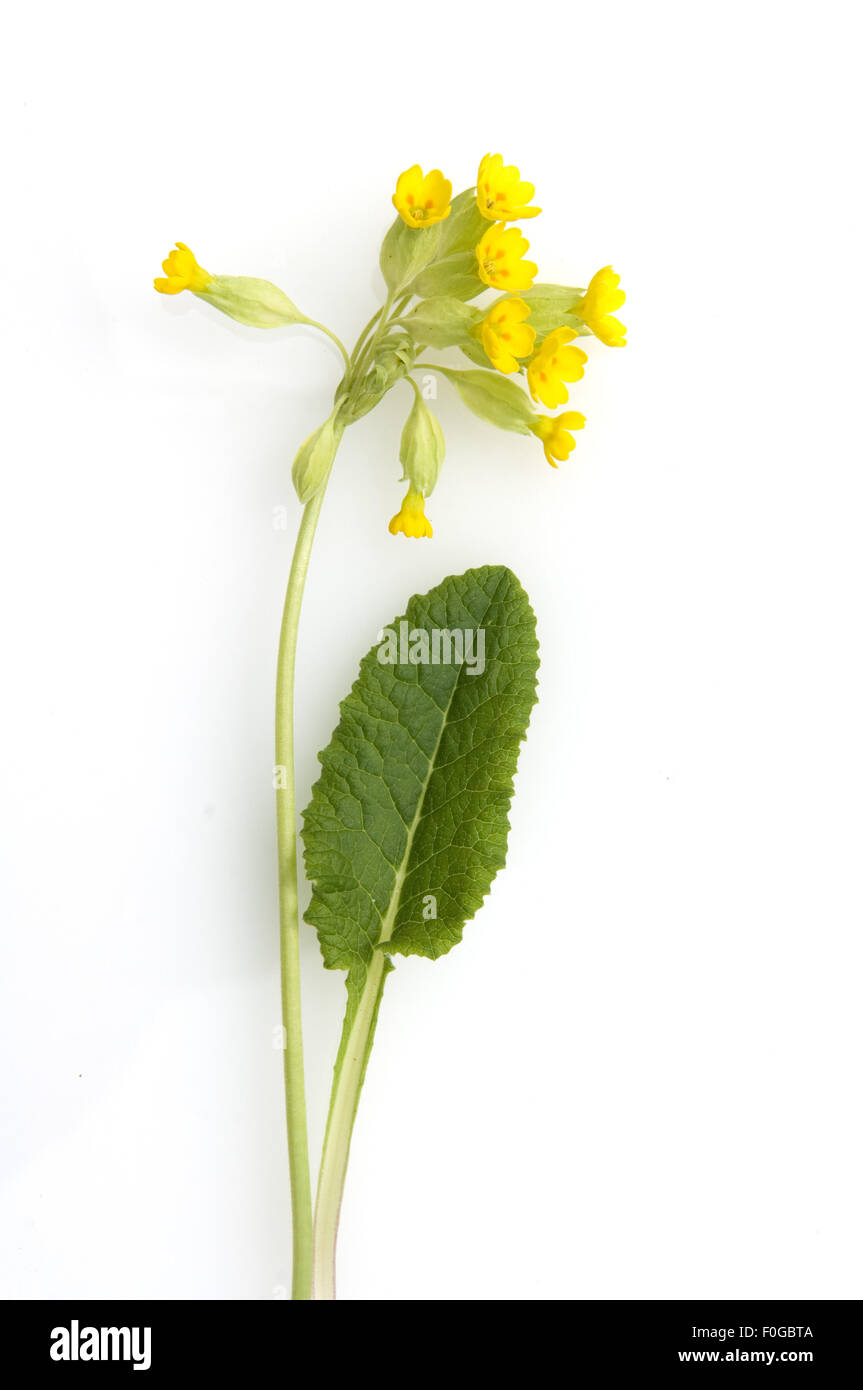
{"type": "Point", "coordinates": [422, 448]}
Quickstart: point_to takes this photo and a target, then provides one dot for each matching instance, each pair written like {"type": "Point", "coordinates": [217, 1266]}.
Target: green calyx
{"type": "Point", "coordinates": [441, 322]}
{"type": "Point", "coordinates": [258, 303]}
{"type": "Point", "coordinates": [315, 456]}
{"type": "Point", "coordinates": [492, 397]}
{"type": "Point", "coordinates": [423, 447]}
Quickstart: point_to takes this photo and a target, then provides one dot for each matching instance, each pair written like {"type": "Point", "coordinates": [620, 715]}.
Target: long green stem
{"type": "Point", "coordinates": [340, 1125]}
{"type": "Point", "coordinates": [289, 927]}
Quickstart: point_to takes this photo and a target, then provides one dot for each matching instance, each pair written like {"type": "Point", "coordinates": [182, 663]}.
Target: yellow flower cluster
{"type": "Point", "coordinates": [508, 339]}
{"type": "Point", "coordinates": [545, 354]}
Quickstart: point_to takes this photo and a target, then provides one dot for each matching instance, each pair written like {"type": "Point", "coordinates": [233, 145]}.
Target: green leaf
{"type": "Point", "coordinates": [411, 807]}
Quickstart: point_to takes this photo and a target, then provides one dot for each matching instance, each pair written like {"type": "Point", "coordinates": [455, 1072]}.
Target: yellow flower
{"type": "Point", "coordinates": [411, 520]}
{"type": "Point", "coordinates": [506, 336]}
{"type": "Point", "coordinates": [183, 273]}
{"type": "Point", "coordinates": [422, 201]}
{"type": "Point", "coordinates": [597, 307]}
{"type": "Point", "coordinates": [499, 259]}
{"type": "Point", "coordinates": [553, 430]}
{"type": "Point", "coordinates": [501, 195]}
{"type": "Point", "coordinates": [554, 364]}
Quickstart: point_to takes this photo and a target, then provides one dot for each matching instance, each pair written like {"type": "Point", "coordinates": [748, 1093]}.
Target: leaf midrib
{"type": "Point", "coordinates": [388, 921]}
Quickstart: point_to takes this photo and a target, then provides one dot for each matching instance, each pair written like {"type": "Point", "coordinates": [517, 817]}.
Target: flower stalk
{"type": "Point", "coordinates": [289, 921]}
{"type": "Point", "coordinates": [439, 254]}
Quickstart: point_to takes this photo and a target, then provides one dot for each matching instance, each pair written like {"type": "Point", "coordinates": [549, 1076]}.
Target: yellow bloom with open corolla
{"type": "Point", "coordinates": [505, 335]}
{"type": "Point", "coordinates": [597, 308]}
{"type": "Point", "coordinates": [554, 432]}
{"type": "Point", "coordinates": [182, 272]}
{"type": "Point", "coordinates": [500, 260]}
{"type": "Point", "coordinates": [554, 364]}
{"type": "Point", "coordinates": [422, 201]}
{"type": "Point", "coordinates": [411, 519]}
{"type": "Point", "coordinates": [502, 195]}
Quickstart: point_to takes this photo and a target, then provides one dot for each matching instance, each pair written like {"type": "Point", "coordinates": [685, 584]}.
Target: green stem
{"type": "Point", "coordinates": [289, 926]}
{"type": "Point", "coordinates": [322, 328]}
{"type": "Point", "coordinates": [345, 1098]}
{"type": "Point", "coordinates": [361, 340]}
{"type": "Point", "coordinates": [358, 1042]}
{"type": "Point", "coordinates": [367, 350]}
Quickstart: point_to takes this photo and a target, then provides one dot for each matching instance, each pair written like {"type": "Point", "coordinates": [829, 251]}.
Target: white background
{"type": "Point", "coordinates": [639, 1076]}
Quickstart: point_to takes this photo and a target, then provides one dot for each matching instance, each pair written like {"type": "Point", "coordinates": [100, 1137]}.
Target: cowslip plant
{"type": "Point", "coordinates": [407, 825]}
